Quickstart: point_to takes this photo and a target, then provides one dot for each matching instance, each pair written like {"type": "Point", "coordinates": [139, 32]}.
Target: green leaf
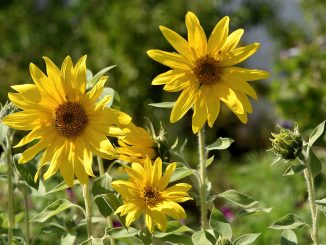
{"type": "Point", "coordinates": [321, 204]}
{"type": "Point", "coordinates": [209, 161]}
{"type": "Point", "coordinates": [54, 209]}
{"type": "Point", "coordinates": [254, 211]}
{"type": "Point", "coordinates": [220, 144]}
{"type": "Point", "coordinates": [27, 172]}
{"type": "Point", "coordinates": [97, 76]}
{"type": "Point", "coordinates": [180, 172]}
{"type": "Point", "coordinates": [288, 237]}
{"type": "Point", "coordinates": [174, 228]}
{"type": "Point", "coordinates": [100, 186]}
{"type": "Point", "coordinates": [163, 104]}
{"type": "Point", "coordinates": [316, 133]}
{"type": "Point", "coordinates": [62, 186]}
{"type": "Point", "coordinates": [294, 169]}
{"type": "Point", "coordinates": [246, 239]}
{"type": "Point", "coordinates": [315, 164]}
{"type": "Point", "coordinates": [121, 232]}
{"type": "Point", "coordinates": [68, 239]}
{"type": "Point", "coordinates": [237, 198]}
{"type": "Point", "coordinates": [219, 224]}
{"type": "Point", "coordinates": [289, 221]}
{"type": "Point", "coordinates": [177, 239]}
{"type": "Point", "coordinates": [203, 237]}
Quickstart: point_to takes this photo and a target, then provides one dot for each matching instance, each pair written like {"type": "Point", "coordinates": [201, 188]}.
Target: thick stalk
{"type": "Point", "coordinates": [202, 170]}
{"type": "Point", "coordinates": [313, 208]}
{"type": "Point", "coordinates": [25, 192]}
{"type": "Point", "coordinates": [88, 207]}
{"type": "Point", "coordinates": [109, 218]}
{"type": "Point", "coordinates": [10, 190]}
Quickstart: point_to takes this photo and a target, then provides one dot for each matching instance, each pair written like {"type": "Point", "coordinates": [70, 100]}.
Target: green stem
{"type": "Point", "coordinates": [25, 192]}
{"type": "Point", "coordinates": [109, 218]}
{"type": "Point", "coordinates": [11, 219]}
{"type": "Point", "coordinates": [88, 207]}
{"type": "Point", "coordinates": [313, 208]}
{"type": "Point", "coordinates": [100, 166]}
{"type": "Point", "coordinates": [202, 160]}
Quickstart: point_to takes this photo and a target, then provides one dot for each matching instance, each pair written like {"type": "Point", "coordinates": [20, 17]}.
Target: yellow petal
{"type": "Point", "coordinates": [96, 91]}
{"type": "Point", "coordinates": [177, 42]}
{"type": "Point", "coordinates": [218, 36]}
{"type": "Point", "coordinates": [246, 74]}
{"type": "Point", "coordinates": [84, 154]}
{"type": "Point", "coordinates": [182, 105]}
{"type": "Point", "coordinates": [212, 105]}
{"type": "Point", "coordinates": [245, 101]}
{"type": "Point", "coordinates": [238, 55]}
{"type": "Point", "coordinates": [157, 172]}
{"type": "Point", "coordinates": [22, 120]}
{"type": "Point", "coordinates": [179, 83]}
{"type": "Point", "coordinates": [132, 216]}
{"type": "Point", "coordinates": [36, 133]}
{"type": "Point", "coordinates": [80, 172]}
{"type": "Point", "coordinates": [167, 175]}
{"type": "Point", "coordinates": [200, 113]}
{"type": "Point", "coordinates": [172, 60]}
{"type": "Point", "coordinates": [228, 96]}
{"type": "Point", "coordinates": [237, 83]}
{"type": "Point", "coordinates": [165, 77]}
{"type": "Point", "coordinates": [159, 220]}
{"type": "Point", "coordinates": [80, 74]}
{"type": "Point", "coordinates": [149, 223]}
{"type": "Point", "coordinates": [173, 210]}
{"type": "Point", "coordinates": [243, 117]}
{"type": "Point", "coordinates": [232, 41]}
{"type": "Point", "coordinates": [196, 35]}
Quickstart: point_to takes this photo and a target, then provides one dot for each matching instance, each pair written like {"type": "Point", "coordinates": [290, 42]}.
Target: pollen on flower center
{"type": "Point", "coordinates": [151, 195]}
{"type": "Point", "coordinates": [70, 119]}
{"type": "Point", "coordinates": [207, 70]}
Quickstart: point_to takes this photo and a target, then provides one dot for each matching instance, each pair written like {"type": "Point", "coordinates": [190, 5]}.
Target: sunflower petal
{"type": "Point", "coordinates": [182, 105]}
{"type": "Point", "coordinates": [218, 36]}
{"type": "Point", "coordinates": [232, 40]}
{"type": "Point", "coordinates": [175, 61]}
{"type": "Point", "coordinates": [238, 55]}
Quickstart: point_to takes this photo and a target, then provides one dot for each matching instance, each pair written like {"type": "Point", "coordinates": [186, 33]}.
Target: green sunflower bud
{"type": "Point", "coordinates": [287, 144]}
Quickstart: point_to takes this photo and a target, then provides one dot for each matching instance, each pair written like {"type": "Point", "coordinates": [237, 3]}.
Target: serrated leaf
{"type": "Point", "coordinates": [62, 186]}
{"type": "Point", "coordinates": [163, 104]}
{"type": "Point", "coordinates": [315, 164]}
{"type": "Point", "coordinates": [294, 169]}
{"type": "Point", "coordinates": [54, 209]}
{"type": "Point", "coordinates": [97, 76]}
{"type": "Point", "coordinates": [180, 172]}
{"type": "Point", "coordinates": [288, 237]}
{"type": "Point", "coordinates": [209, 161]}
{"type": "Point", "coordinates": [203, 237]}
{"type": "Point", "coordinates": [316, 133]}
{"type": "Point", "coordinates": [219, 224]}
{"type": "Point", "coordinates": [174, 228]}
{"type": "Point", "coordinates": [100, 186]}
{"type": "Point", "coordinates": [289, 221]}
{"type": "Point", "coordinates": [239, 199]}
{"type": "Point", "coordinates": [68, 239]}
{"type": "Point", "coordinates": [321, 204]}
{"type": "Point", "coordinates": [27, 172]}
{"type": "Point", "coordinates": [254, 211]}
{"type": "Point", "coordinates": [246, 239]}
{"type": "Point", "coordinates": [121, 232]}
{"type": "Point", "coordinates": [220, 144]}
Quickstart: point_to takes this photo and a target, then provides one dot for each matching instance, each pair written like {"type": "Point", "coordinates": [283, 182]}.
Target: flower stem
{"type": "Point", "coordinates": [313, 208]}
{"type": "Point", "coordinates": [202, 160]}
{"type": "Point", "coordinates": [88, 207]}
{"type": "Point", "coordinates": [11, 220]}
{"type": "Point", "coordinates": [25, 192]}
{"type": "Point", "coordinates": [109, 218]}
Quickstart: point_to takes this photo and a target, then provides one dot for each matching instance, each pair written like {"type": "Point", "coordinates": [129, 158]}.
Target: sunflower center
{"type": "Point", "coordinates": [207, 70]}
{"type": "Point", "coordinates": [70, 119]}
{"type": "Point", "coordinates": [151, 195]}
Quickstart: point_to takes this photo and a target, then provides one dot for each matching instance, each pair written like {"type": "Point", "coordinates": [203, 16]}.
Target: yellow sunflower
{"type": "Point", "coordinates": [67, 122]}
{"type": "Point", "coordinates": [146, 192]}
{"type": "Point", "coordinates": [205, 73]}
{"type": "Point", "coordinates": [136, 145]}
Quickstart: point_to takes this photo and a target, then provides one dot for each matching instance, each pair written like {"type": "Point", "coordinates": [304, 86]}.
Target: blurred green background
{"type": "Point", "coordinates": [292, 34]}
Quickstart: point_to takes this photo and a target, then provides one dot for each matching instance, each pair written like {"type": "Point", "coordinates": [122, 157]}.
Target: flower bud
{"type": "Point", "coordinates": [287, 144]}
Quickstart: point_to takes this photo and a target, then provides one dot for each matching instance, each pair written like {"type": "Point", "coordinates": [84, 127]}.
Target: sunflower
{"type": "Point", "coordinates": [205, 73]}
{"type": "Point", "coordinates": [146, 192]}
{"type": "Point", "coordinates": [67, 122]}
{"type": "Point", "coordinates": [136, 145]}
